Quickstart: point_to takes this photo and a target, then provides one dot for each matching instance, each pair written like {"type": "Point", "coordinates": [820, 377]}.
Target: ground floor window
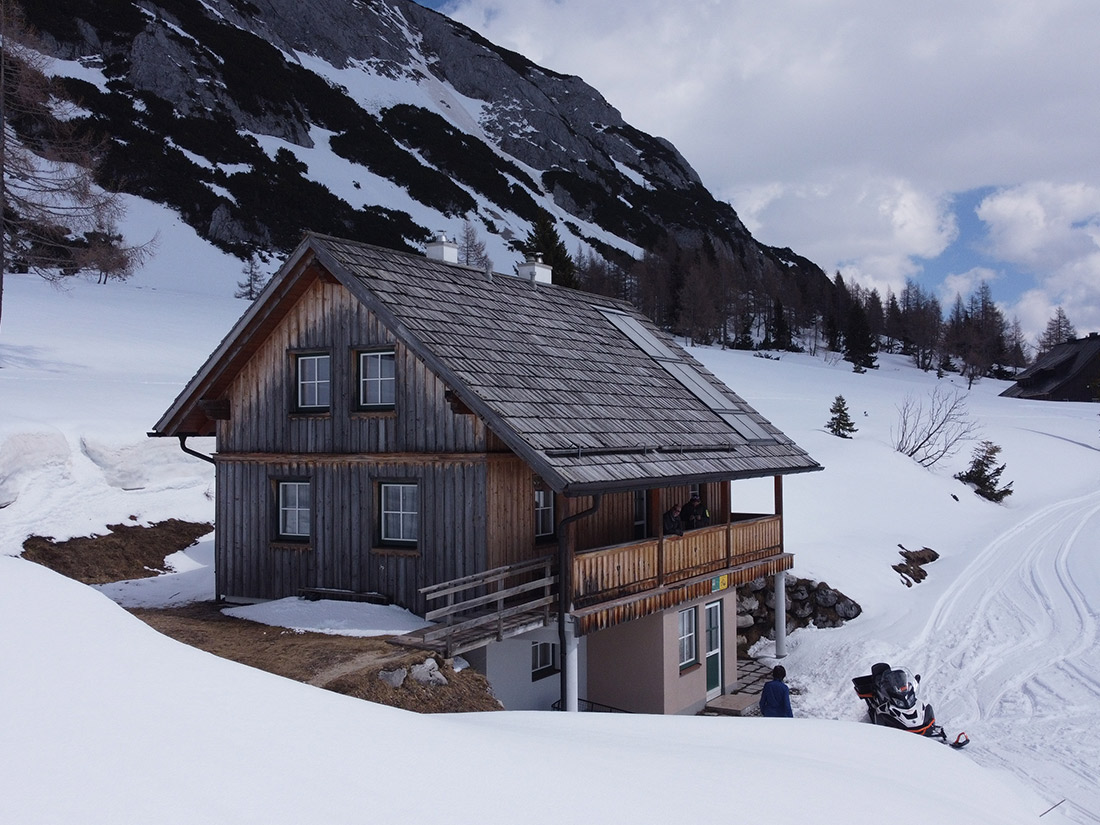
{"type": "Point", "coordinates": [399, 514]}
{"type": "Point", "coordinates": [544, 513]}
{"type": "Point", "coordinates": [544, 660]}
{"type": "Point", "coordinates": [294, 510]}
{"type": "Point", "coordinates": [689, 654]}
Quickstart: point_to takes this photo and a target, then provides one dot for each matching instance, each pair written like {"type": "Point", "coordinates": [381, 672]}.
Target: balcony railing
{"type": "Point", "coordinates": [610, 584]}
{"type": "Point", "coordinates": [495, 604]}
{"type": "Point", "coordinates": [611, 573]}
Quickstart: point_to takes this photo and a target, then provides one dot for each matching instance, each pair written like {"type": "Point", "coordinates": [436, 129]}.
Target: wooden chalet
{"type": "Point", "coordinates": [1069, 371]}
{"type": "Point", "coordinates": [494, 453]}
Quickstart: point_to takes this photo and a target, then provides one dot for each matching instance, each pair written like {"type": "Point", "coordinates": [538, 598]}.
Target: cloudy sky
{"type": "Point", "coordinates": [945, 141]}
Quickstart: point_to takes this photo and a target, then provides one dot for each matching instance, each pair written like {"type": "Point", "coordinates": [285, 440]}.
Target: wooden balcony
{"type": "Point", "coordinates": [610, 584]}
{"type": "Point", "coordinates": [629, 581]}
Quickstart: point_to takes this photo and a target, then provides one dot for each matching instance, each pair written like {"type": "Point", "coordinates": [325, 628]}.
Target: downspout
{"type": "Point", "coordinates": [565, 592]}
{"type": "Point", "coordinates": [195, 453]}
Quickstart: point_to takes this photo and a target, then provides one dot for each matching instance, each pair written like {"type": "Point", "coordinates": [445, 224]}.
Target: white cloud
{"type": "Point", "coordinates": [872, 228]}
{"type": "Point", "coordinates": [841, 128]}
{"type": "Point", "coordinates": [1043, 225]}
{"type": "Point", "coordinates": [964, 284]}
{"type": "Point", "coordinates": [1052, 230]}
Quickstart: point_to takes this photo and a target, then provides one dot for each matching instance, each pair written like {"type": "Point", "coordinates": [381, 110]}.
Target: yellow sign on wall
{"type": "Point", "coordinates": [719, 583]}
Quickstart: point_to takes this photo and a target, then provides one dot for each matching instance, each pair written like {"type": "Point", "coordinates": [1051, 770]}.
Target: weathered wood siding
{"type": "Point", "coordinates": [343, 551]}
{"type": "Point", "coordinates": [613, 523]}
{"type": "Point", "coordinates": [344, 454]}
{"type": "Point", "coordinates": [511, 506]}
{"type": "Point", "coordinates": [328, 319]}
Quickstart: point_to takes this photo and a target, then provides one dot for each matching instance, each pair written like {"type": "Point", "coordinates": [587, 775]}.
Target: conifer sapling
{"type": "Point", "coordinates": [840, 424]}
{"type": "Point", "coordinates": [983, 475]}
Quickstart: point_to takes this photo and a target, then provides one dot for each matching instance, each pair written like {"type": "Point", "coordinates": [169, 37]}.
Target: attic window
{"type": "Point", "coordinates": [687, 376]}
{"type": "Point", "coordinates": [314, 382]}
{"type": "Point", "coordinates": [377, 380]}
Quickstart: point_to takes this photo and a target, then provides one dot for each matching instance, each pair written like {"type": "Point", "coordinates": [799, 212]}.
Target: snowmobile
{"type": "Point", "coordinates": [891, 697]}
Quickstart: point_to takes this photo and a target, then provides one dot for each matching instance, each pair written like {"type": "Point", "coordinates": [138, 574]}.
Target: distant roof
{"type": "Point", "coordinates": [1061, 373]}
{"type": "Point", "coordinates": [584, 388]}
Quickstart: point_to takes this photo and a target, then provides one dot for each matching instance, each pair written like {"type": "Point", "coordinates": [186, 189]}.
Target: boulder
{"type": "Point", "coordinates": [393, 678]}
{"type": "Point", "coordinates": [428, 673]}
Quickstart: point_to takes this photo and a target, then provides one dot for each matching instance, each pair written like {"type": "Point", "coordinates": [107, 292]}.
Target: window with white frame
{"type": "Point", "coordinates": [399, 513]}
{"type": "Point", "coordinates": [377, 381]}
{"type": "Point", "coordinates": [689, 654]}
{"type": "Point", "coordinates": [544, 513]}
{"type": "Point", "coordinates": [294, 510]}
{"type": "Point", "coordinates": [544, 660]}
{"type": "Point", "coordinates": [314, 381]}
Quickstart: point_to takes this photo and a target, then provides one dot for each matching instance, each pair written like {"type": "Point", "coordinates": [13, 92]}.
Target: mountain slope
{"type": "Point", "coordinates": [379, 119]}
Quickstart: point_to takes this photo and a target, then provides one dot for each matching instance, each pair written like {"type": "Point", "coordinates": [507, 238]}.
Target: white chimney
{"type": "Point", "coordinates": [442, 250]}
{"type": "Point", "coordinates": [533, 269]}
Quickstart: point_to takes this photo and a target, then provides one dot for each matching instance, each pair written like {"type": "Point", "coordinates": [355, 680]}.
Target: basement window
{"type": "Point", "coordinates": [544, 660]}
{"type": "Point", "coordinates": [689, 653]}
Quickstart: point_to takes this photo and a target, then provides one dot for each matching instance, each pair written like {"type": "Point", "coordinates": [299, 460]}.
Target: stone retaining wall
{"type": "Point", "coordinates": [808, 602]}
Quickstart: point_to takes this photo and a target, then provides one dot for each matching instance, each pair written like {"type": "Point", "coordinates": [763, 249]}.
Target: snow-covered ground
{"type": "Point", "coordinates": [108, 721]}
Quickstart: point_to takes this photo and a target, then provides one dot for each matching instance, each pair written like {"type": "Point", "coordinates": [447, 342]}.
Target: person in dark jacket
{"type": "Point", "coordinates": [672, 523]}
{"type": "Point", "coordinates": [775, 698]}
{"type": "Point", "coordinates": [694, 514]}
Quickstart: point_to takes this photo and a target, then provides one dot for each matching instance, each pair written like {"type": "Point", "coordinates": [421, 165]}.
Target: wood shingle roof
{"type": "Point", "coordinates": [562, 385]}
{"type": "Point", "coordinates": [557, 381]}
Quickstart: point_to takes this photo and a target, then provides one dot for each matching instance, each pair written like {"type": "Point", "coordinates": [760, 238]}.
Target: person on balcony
{"type": "Point", "coordinates": [672, 523]}
{"type": "Point", "coordinates": [694, 514]}
{"type": "Point", "coordinates": [775, 698]}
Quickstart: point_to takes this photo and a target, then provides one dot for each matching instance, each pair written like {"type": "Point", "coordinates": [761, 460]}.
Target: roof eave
{"type": "Point", "coordinates": [626, 486]}
{"type": "Point", "coordinates": [177, 414]}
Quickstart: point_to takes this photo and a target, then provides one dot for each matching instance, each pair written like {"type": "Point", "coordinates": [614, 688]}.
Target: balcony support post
{"type": "Point", "coordinates": [567, 639]}
{"type": "Point", "coordinates": [781, 614]}
{"type": "Point", "coordinates": [779, 507]}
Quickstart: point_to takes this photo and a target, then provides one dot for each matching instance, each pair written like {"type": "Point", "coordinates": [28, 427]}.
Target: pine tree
{"type": "Point", "coordinates": [1017, 356]}
{"type": "Point", "coordinates": [983, 475]}
{"type": "Point", "coordinates": [1058, 331]}
{"type": "Point", "coordinates": [779, 330]}
{"type": "Point", "coordinates": [543, 239]}
{"type": "Point", "coordinates": [471, 249]}
{"type": "Point", "coordinates": [840, 424]}
{"type": "Point", "coordinates": [859, 343]}
{"type": "Point", "coordinates": [253, 281]}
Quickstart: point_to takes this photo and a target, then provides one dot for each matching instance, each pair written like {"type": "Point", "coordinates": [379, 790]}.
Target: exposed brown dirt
{"type": "Point", "coordinates": [912, 569]}
{"type": "Point", "coordinates": [343, 664]}
{"type": "Point", "coordinates": [126, 552]}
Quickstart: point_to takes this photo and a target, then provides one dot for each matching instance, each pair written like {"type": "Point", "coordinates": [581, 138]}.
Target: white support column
{"type": "Point", "coordinates": [780, 614]}
{"type": "Point", "coordinates": [570, 661]}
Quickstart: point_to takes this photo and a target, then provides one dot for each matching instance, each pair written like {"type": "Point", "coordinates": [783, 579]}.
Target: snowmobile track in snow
{"type": "Point", "coordinates": [1016, 639]}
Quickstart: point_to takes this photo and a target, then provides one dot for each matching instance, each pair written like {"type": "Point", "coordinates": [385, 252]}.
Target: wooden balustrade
{"type": "Point", "coordinates": [610, 573]}
{"type": "Point", "coordinates": [610, 584]}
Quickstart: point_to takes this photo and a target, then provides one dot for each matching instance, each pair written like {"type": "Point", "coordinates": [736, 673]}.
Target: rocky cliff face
{"type": "Point", "coordinates": [377, 119]}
